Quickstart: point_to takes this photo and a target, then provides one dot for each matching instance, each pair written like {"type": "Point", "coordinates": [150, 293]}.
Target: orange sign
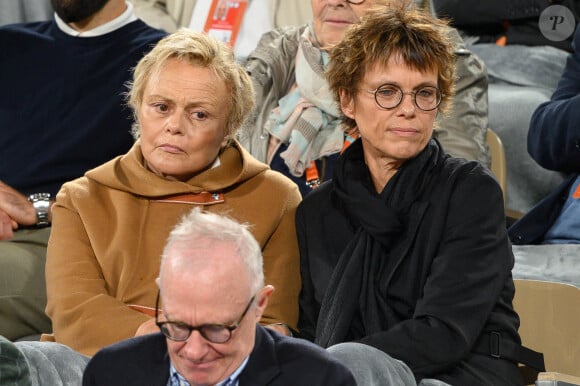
{"type": "Point", "coordinates": [224, 20]}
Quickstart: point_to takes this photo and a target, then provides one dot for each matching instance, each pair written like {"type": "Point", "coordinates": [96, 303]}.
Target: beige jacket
{"type": "Point", "coordinates": [109, 228]}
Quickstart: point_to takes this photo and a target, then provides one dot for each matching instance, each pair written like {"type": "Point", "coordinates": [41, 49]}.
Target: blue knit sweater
{"type": "Point", "coordinates": [62, 109]}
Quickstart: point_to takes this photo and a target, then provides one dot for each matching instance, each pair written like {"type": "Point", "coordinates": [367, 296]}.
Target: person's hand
{"type": "Point", "coordinates": [148, 327]}
{"type": "Point", "coordinates": [16, 206]}
{"type": "Point", "coordinates": [7, 226]}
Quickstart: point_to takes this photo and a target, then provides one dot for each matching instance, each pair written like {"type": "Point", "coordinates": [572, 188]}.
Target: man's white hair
{"type": "Point", "coordinates": [201, 225]}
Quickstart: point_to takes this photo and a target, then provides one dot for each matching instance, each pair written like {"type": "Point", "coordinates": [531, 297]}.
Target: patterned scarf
{"type": "Point", "coordinates": [307, 117]}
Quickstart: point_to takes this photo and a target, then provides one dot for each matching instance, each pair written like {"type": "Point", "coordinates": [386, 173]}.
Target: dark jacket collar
{"type": "Point", "coordinates": [263, 365]}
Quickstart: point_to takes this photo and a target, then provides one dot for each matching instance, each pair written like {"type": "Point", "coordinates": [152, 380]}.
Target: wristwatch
{"type": "Point", "coordinates": [41, 202]}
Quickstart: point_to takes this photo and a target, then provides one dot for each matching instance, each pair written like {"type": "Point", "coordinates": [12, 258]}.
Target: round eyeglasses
{"type": "Point", "coordinates": [388, 96]}
{"type": "Point", "coordinates": [214, 333]}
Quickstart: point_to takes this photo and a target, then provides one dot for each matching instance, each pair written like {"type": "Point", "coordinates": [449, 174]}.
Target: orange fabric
{"type": "Point", "coordinates": [350, 138]}
{"type": "Point", "coordinates": [576, 193]}
{"type": "Point", "coordinates": [312, 177]}
{"type": "Point", "coordinates": [502, 40]}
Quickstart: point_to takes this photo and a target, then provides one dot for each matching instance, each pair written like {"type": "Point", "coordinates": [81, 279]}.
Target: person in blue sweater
{"type": "Point", "coordinates": [525, 54]}
{"type": "Point", "coordinates": [554, 143]}
{"type": "Point", "coordinates": [61, 113]}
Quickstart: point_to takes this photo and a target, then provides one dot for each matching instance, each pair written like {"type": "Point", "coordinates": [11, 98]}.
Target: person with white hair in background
{"type": "Point", "coordinates": [295, 126]}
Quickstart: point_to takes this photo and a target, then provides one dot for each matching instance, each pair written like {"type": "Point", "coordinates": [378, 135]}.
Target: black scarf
{"type": "Point", "coordinates": [354, 305]}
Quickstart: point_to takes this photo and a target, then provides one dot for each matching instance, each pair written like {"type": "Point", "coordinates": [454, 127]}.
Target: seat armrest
{"type": "Point", "coordinates": [557, 379]}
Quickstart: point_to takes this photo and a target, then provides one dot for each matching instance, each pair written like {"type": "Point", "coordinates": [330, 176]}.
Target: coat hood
{"type": "Point", "coordinates": [127, 173]}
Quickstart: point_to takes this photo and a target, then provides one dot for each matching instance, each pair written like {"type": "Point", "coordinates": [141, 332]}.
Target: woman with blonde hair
{"type": "Point", "coordinates": [109, 227]}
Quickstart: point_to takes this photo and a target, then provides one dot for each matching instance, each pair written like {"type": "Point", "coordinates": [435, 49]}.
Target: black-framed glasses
{"type": "Point", "coordinates": [388, 96]}
{"type": "Point", "coordinates": [214, 333]}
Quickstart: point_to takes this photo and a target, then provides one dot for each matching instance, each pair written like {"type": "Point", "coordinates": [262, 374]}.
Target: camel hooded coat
{"type": "Point", "coordinates": [110, 226]}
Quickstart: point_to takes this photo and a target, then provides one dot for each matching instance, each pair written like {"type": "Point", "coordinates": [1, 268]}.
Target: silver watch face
{"type": "Point", "coordinates": [41, 203]}
{"type": "Point", "coordinates": [39, 197]}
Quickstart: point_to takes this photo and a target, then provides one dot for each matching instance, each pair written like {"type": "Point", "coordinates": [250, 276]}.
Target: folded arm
{"type": "Point", "coordinates": [85, 313]}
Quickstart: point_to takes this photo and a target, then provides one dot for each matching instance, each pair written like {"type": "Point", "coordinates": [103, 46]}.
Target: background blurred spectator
{"type": "Point", "coordinates": [296, 121]}
{"type": "Point", "coordinates": [152, 12]}
{"type": "Point", "coordinates": [260, 16]}
{"type": "Point", "coordinates": [552, 227]}
{"type": "Point", "coordinates": [523, 67]}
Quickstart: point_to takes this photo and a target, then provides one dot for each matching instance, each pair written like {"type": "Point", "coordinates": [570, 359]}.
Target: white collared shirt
{"type": "Point", "coordinates": [125, 18]}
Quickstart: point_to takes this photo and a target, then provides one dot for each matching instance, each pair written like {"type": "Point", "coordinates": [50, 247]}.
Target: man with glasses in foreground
{"type": "Point", "coordinates": [212, 295]}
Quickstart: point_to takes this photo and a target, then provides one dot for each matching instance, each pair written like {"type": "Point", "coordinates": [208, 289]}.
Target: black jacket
{"type": "Point", "coordinates": [275, 361]}
{"type": "Point", "coordinates": [447, 280]}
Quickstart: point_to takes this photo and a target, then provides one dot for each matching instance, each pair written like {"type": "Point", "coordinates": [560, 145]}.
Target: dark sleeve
{"type": "Point", "coordinates": [94, 370]}
{"type": "Point", "coordinates": [554, 134]}
{"type": "Point", "coordinates": [136, 361]}
{"type": "Point", "coordinates": [479, 12]}
{"type": "Point", "coordinates": [336, 374]}
{"type": "Point", "coordinates": [469, 284]}
{"type": "Point", "coordinates": [308, 306]}
{"type": "Point", "coordinates": [88, 376]}
{"type": "Point", "coordinates": [302, 362]}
